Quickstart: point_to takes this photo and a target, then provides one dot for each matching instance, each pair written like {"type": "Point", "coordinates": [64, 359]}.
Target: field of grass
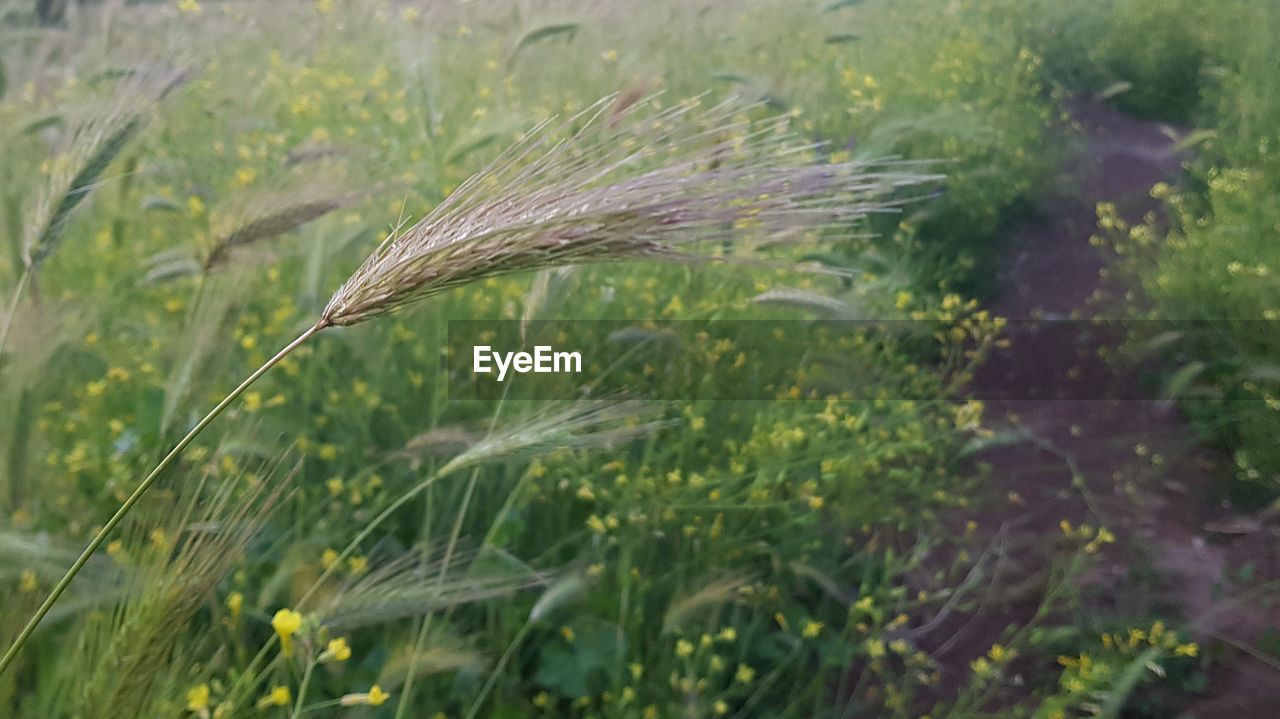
{"type": "Point", "coordinates": [188, 186]}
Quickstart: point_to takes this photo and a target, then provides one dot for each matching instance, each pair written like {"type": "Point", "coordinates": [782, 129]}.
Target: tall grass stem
{"type": "Point", "coordinates": [142, 488]}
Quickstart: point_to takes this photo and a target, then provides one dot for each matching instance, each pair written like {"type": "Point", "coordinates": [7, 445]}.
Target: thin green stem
{"type": "Point", "coordinates": [407, 689]}
{"type": "Point", "coordinates": [302, 689]}
{"type": "Point", "coordinates": [18, 289]}
{"type": "Point", "coordinates": [142, 488]}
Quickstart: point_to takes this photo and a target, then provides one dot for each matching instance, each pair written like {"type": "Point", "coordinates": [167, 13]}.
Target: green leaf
{"type": "Point", "coordinates": [469, 146]}
{"type": "Point", "coordinates": [1133, 673]}
{"type": "Point", "coordinates": [567, 30]}
{"type": "Point", "coordinates": [837, 4]}
{"type": "Point", "coordinates": [1177, 384]}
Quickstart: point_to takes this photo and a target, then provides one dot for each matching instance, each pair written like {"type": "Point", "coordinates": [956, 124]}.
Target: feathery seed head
{"type": "Point", "coordinates": [634, 182]}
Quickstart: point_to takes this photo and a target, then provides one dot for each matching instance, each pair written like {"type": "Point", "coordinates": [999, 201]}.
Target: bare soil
{"type": "Point", "coordinates": [1132, 465]}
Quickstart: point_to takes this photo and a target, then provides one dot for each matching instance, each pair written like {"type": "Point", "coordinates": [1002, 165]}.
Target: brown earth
{"type": "Point", "coordinates": [1128, 464]}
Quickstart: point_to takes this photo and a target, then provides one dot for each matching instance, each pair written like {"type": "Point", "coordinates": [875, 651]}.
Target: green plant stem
{"type": "Point", "coordinates": [421, 639]}
{"type": "Point", "coordinates": [302, 689]}
{"type": "Point", "coordinates": [142, 488]}
{"type": "Point", "coordinates": [18, 289]}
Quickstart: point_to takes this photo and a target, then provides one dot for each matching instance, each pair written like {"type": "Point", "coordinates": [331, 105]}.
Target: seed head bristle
{"type": "Point", "coordinates": [611, 185]}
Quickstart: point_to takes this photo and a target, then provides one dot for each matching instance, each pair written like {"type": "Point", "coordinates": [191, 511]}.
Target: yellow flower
{"type": "Point", "coordinates": [376, 696]}
{"type": "Point", "coordinates": [336, 651]}
{"type": "Point", "coordinates": [286, 622]}
{"type": "Point", "coordinates": [279, 696]}
{"type": "Point", "coordinates": [541, 700]}
{"type": "Point", "coordinates": [720, 707]}
{"type": "Point", "coordinates": [728, 634]}
{"type": "Point", "coordinates": [189, 6]}
{"type": "Point", "coordinates": [328, 557]}
{"type": "Point", "coordinates": [235, 603]}
{"type": "Point", "coordinates": [684, 648]}
{"type": "Point", "coordinates": [811, 629]}
{"type": "Point", "coordinates": [1186, 650]}
{"type": "Point", "coordinates": [745, 674]}
{"type": "Point", "coordinates": [28, 582]}
{"type": "Point", "coordinates": [357, 565]}
{"type": "Point", "coordinates": [244, 177]}
{"type": "Point", "coordinates": [198, 698]}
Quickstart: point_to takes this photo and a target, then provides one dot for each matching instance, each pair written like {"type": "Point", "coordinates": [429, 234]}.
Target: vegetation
{"type": "Point", "coordinates": [345, 539]}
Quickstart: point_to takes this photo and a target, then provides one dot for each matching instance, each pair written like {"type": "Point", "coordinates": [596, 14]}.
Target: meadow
{"type": "Point", "coordinates": [186, 187]}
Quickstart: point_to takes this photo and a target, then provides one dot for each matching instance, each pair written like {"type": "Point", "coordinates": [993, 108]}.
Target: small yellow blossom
{"type": "Point", "coordinates": [279, 696]}
{"type": "Point", "coordinates": [286, 622]}
{"type": "Point", "coordinates": [811, 629]}
{"type": "Point", "coordinates": [235, 604]}
{"type": "Point", "coordinates": [684, 648]}
{"type": "Point", "coordinates": [198, 698]}
{"type": "Point", "coordinates": [189, 6]}
{"type": "Point", "coordinates": [336, 650]}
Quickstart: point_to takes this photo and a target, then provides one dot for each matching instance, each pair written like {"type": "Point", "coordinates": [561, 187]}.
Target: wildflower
{"type": "Point", "coordinates": [374, 697]}
{"type": "Point", "coordinates": [875, 648]}
{"type": "Point", "coordinates": [286, 622]}
{"type": "Point", "coordinates": [198, 698]}
{"type": "Point", "coordinates": [811, 629]}
{"type": "Point", "coordinates": [1189, 649]}
{"type": "Point", "coordinates": [720, 707]}
{"type": "Point", "coordinates": [191, 7]}
{"type": "Point", "coordinates": [567, 633]}
{"type": "Point", "coordinates": [357, 565]}
{"type": "Point", "coordinates": [728, 634]}
{"type": "Point", "coordinates": [745, 674]}
{"type": "Point", "coordinates": [336, 650]}
{"type": "Point", "coordinates": [279, 696]}
{"type": "Point", "coordinates": [235, 603]}
{"type": "Point", "coordinates": [609, 56]}
{"type": "Point", "coordinates": [636, 669]}
{"type": "Point", "coordinates": [329, 557]}
{"type": "Point", "coordinates": [684, 648]}
{"type": "Point", "coordinates": [244, 177]}
{"type": "Point", "coordinates": [28, 582]}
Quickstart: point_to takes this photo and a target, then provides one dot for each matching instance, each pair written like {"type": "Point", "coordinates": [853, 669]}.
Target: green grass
{"type": "Point", "coordinates": [730, 558]}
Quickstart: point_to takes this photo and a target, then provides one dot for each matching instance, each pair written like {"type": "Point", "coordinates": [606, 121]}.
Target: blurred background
{"type": "Point", "coordinates": [184, 184]}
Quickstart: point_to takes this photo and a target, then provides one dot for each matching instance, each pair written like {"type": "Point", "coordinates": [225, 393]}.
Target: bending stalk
{"type": "Point", "coordinates": [142, 488]}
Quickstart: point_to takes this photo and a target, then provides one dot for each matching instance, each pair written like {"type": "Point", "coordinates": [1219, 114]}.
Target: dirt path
{"type": "Point", "coordinates": [1131, 465]}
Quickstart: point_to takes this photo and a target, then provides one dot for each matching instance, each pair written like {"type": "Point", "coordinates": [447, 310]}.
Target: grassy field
{"type": "Point", "coordinates": [188, 186]}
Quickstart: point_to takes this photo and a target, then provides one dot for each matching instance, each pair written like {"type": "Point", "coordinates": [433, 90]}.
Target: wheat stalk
{"type": "Point", "coordinates": [631, 182]}
{"type": "Point", "coordinates": [88, 147]}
